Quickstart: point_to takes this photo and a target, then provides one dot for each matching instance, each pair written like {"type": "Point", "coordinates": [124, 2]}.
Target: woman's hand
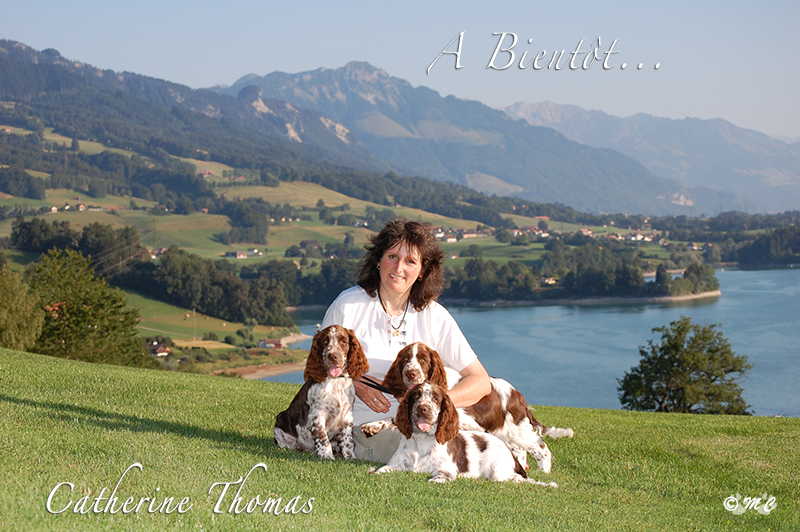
{"type": "Point", "coordinates": [372, 397]}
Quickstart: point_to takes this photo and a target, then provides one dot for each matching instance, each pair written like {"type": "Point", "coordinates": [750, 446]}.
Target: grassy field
{"type": "Point", "coordinates": [65, 421]}
{"type": "Point", "coordinates": [159, 318]}
{"type": "Point", "coordinates": [492, 250]}
{"type": "Point", "coordinates": [199, 233]}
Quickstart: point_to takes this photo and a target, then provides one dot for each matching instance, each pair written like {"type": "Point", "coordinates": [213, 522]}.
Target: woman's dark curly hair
{"type": "Point", "coordinates": [418, 236]}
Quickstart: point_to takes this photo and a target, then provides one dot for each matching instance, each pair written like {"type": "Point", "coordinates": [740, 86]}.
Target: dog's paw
{"type": "Point", "coordinates": [369, 430]}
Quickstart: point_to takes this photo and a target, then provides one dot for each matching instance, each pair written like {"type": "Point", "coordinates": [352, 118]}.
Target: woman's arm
{"type": "Point", "coordinates": [472, 387]}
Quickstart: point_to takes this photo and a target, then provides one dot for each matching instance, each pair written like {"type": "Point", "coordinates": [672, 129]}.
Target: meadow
{"type": "Point", "coordinates": [88, 425]}
{"type": "Point", "coordinates": [199, 233]}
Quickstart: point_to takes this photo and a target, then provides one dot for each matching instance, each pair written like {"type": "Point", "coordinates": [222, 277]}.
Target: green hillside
{"type": "Point", "coordinates": [66, 421]}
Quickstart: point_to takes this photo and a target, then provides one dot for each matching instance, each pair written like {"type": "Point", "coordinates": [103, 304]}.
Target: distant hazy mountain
{"type": "Point", "coordinates": [470, 143]}
{"type": "Point", "coordinates": [325, 138]}
{"type": "Point", "coordinates": [693, 152]}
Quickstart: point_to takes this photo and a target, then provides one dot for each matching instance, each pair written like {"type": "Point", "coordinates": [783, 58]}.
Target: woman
{"type": "Point", "coordinates": [395, 305]}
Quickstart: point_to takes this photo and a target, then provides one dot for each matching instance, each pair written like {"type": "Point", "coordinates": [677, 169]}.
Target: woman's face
{"type": "Point", "coordinates": [400, 267]}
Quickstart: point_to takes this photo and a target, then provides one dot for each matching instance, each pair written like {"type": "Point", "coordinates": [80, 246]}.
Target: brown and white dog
{"type": "Point", "coordinates": [429, 421]}
{"type": "Point", "coordinates": [503, 412]}
{"type": "Point", "coordinates": [320, 417]}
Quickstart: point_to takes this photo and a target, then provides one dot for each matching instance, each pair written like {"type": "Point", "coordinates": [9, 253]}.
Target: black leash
{"type": "Point", "coordinates": [375, 385]}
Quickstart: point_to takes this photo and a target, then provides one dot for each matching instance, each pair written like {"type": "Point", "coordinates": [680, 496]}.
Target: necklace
{"type": "Point", "coordinates": [391, 318]}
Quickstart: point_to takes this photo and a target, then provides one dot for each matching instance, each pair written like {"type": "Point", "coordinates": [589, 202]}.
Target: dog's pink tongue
{"type": "Point", "coordinates": [335, 372]}
{"type": "Point", "coordinates": [424, 427]}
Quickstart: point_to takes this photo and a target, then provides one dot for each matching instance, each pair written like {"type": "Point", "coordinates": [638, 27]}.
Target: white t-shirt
{"type": "Point", "coordinates": [434, 326]}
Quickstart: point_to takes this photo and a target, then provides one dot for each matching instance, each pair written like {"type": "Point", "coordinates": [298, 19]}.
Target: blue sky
{"type": "Point", "coordinates": [732, 60]}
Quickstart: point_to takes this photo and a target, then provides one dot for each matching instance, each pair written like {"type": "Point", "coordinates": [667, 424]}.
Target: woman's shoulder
{"type": "Point", "coordinates": [436, 312]}
{"type": "Point", "coordinates": [353, 295]}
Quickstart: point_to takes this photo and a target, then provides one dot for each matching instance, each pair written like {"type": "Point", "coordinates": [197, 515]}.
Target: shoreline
{"type": "Point", "coordinates": [545, 302]}
{"type": "Point", "coordinates": [263, 370]}
{"type": "Point", "coordinates": [597, 301]}
{"type": "Point", "coordinates": [270, 370]}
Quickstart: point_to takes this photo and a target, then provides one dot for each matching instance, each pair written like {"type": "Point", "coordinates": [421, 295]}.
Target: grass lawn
{"type": "Point", "coordinates": [65, 421]}
{"type": "Point", "coordinates": [300, 194]}
{"type": "Point", "coordinates": [492, 250]}
{"type": "Point", "coordinates": [19, 260]}
{"type": "Point", "coordinates": [159, 318]}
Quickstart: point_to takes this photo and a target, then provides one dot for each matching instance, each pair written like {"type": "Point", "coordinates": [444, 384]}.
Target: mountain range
{"type": "Point", "coordinates": [708, 153]}
{"type": "Point", "coordinates": [304, 133]}
{"type": "Point", "coordinates": [360, 117]}
{"type": "Point", "coordinates": [467, 142]}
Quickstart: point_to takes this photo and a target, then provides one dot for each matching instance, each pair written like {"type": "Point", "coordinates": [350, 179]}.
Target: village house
{"type": "Point", "coordinates": [156, 253]}
{"type": "Point", "coordinates": [267, 343]}
{"type": "Point", "coordinates": [158, 350]}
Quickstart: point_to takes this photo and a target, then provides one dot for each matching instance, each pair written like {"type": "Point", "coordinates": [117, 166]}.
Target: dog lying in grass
{"type": "Point", "coordinates": [504, 412]}
{"type": "Point", "coordinates": [429, 421]}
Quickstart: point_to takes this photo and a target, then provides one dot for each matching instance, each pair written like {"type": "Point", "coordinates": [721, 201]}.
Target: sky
{"type": "Point", "coordinates": [716, 59]}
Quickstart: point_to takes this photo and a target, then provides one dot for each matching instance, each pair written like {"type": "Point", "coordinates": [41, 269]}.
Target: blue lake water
{"type": "Point", "coordinates": [572, 355]}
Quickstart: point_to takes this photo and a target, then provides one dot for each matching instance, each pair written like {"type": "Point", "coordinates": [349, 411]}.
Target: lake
{"type": "Point", "coordinates": [572, 355]}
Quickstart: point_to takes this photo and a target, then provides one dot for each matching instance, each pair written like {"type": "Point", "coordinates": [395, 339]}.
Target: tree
{"type": "Point", "coordinates": [502, 235]}
{"type": "Point", "coordinates": [663, 279]}
{"type": "Point", "coordinates": [692, 370]}
{"type": "Point", "coordinates": [97, 188]}
{"type": "Point", "coordinates": [85, 319]}
{"type": "Point", "coordinates": [473, 250]}
{"type": "Point", "coordinates": [702, 278]}
{"type": "Point", "coordinates": [21, 316]}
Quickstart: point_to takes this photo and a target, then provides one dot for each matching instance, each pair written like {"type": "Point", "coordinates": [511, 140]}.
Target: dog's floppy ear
{"type": "Point", "coordinates": [393, 381]}
{"type": "Point", "coordinates": [403, 419]}
{"type": "Point", "coordinates": [437, 375]}
{"type": "Point", "coordinates": [447, 427]}
{"type": "Point", "coordinates": [357, 364]}
{"type": "Point", "coordinates": [315, 369]}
